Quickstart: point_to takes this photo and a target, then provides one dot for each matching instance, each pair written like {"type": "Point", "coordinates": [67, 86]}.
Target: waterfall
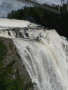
{"type": "Point", "coordinates": [45, 60]}
{"type": "Point", "coordinates": [44, 54]}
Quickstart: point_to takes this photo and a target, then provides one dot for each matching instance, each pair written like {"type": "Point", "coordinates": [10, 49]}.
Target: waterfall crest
{"type": "Point", "coordinates": [44, 54]}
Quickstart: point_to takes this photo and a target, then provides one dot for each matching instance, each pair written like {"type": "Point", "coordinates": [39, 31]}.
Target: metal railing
{"type": "Point", "coordinates": [46, 7]}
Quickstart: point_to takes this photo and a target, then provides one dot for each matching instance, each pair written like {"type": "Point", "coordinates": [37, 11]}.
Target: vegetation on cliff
{"type": "Point", "coordinates": [10, 78]}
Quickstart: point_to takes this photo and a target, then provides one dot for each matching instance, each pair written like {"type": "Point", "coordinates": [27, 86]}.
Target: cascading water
{"type": "Point", "coordinates": [44, 54]}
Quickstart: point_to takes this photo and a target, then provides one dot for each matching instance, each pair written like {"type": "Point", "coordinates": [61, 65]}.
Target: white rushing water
{"type": "Point", "coordinates": [44, 54]}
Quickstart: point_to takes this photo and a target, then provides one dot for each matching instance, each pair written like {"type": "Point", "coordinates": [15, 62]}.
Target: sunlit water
{"type": "Point", "coordinates": [44, 54]}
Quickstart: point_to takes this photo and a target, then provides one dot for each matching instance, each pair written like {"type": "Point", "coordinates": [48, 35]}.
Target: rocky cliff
{"type": "Point", "coordinates": [8, 55]}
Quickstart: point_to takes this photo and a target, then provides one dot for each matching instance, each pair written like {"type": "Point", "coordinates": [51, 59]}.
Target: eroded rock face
{"type": "Point", "coordinates": [12, 55]}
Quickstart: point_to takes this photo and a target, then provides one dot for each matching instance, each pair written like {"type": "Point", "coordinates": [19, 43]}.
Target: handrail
{"type": "Point", "coordinates": [42, 6]}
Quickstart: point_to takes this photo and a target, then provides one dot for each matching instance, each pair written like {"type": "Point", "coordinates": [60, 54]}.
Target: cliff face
{"type": "Point", "coordinates": [12, 56]}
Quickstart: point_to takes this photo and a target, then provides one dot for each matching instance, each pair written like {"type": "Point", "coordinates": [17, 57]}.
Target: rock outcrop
{"type": "Point", "coordinates": [12, 55]}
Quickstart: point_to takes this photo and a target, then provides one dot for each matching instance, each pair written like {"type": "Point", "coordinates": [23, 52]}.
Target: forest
{"type": "Point", "coordinates": [44, 17]}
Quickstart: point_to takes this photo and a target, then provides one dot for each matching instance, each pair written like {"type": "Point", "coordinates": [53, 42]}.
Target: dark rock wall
{"type": "Point", "coordinates": [12, 55]}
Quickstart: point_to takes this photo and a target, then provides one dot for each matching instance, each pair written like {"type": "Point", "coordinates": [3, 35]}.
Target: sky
{"type": "Point", "coordinates": [7, 6]}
